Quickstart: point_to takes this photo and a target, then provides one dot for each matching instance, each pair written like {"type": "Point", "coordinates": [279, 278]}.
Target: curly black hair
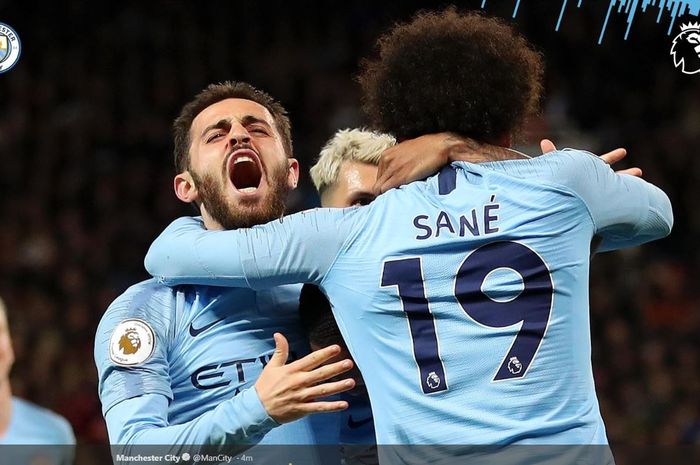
{"type": "Point", "coordinates": [452, 72]}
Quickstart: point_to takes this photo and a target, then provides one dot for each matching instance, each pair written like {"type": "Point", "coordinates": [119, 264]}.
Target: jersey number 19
{"type": "Point", "coordinates": [531, 307]}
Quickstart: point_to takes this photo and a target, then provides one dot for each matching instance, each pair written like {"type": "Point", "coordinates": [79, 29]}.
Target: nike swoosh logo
{"type": "Point", "coordinates": [194, 332]}
{"type": "Point", "coordinates": [356, 424]}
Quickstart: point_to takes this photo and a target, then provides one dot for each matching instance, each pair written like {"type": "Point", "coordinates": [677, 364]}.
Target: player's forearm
{"type": "Point", "coordinates": [186, 253]}
{"type": "Point", "coordinates": [241, 420]}
{"type": "Point", "coordinates": [300, 248]}
{"type": "Point", "coordinates": [654, 224]}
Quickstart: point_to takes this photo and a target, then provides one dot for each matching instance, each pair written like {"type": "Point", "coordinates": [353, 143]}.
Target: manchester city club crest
{"type": "Point", "coordinates": [686, 49]}
{"type": "Point", "coordinates": [4, 47]}
{"type": "Point", "coordinates": [10, 47]}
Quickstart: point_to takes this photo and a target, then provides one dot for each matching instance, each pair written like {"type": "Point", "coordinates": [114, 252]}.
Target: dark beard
{"type": "Point", "coordinates": [247, 213]}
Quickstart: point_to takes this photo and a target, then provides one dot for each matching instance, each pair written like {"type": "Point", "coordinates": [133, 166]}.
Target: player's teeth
{"type": "Point", "coordinates": [248, 189]}
{"type": "Point", "coordinates": [242, 159]}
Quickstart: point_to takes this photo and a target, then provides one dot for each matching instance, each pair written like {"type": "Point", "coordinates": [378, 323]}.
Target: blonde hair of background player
{"type": "Point", "coordinates": [360, 145]}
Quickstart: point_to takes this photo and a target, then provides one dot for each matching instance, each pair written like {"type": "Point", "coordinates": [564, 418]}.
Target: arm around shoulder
{"type": "Point", "coordinates": [297, 248]}
{"type": "Point", "coordinates": [626, 210]}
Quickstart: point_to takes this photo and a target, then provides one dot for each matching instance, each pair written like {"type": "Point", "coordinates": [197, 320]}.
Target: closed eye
{"type": "Point", "coordinates": [258, 130]}
{"type": "Point", "coordinates": [214, 136]}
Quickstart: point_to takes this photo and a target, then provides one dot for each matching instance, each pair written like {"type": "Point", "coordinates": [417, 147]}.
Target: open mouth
{"type": "Point", "coordinates": [245, 171]}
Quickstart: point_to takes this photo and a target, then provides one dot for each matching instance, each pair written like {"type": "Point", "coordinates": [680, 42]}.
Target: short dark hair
{"type": "Point", "coordinates": [215, 93]}
{"type": "Point", "coordinates": [317, 317]}
{"type": "Point", "coordinates": [452, 72]}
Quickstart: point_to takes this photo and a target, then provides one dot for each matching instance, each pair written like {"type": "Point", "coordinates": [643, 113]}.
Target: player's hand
{"type": "Point", "coordinates": [610, 158]}
{"type": "Point", "coordinates": [289, 392]}
{"type": "Point", "coordinates": [411, 160]}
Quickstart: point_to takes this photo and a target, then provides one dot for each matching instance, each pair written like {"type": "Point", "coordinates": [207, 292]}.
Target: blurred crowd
{"type": "Point", "coordinates": [87, 172]}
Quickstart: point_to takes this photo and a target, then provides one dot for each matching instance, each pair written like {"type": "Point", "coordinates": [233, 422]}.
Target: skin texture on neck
{"type": "Point", "coordinates": [209, 222]}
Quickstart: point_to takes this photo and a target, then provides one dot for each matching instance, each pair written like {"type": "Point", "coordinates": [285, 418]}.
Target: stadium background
{"type": "Point", "coordinates": [86, 170]}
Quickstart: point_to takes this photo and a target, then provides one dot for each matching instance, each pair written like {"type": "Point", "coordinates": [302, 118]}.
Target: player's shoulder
{"type": "Point", "coordinates": [567, 170]}
{"type": "Point", "coordinates": [570, 161]}
{"type": "Point", "coordinates": [55, 429]}
{"type": "Point", "coordinates": [145, 299]}
{"type": "Point", "coordinates": [576, 171]}
{"type": "Point", "coordinates": [557, 165]}
{"type": "Point", "coordinates": [145, 309]}
{"type": "Point", "coordinates": [139, 323]}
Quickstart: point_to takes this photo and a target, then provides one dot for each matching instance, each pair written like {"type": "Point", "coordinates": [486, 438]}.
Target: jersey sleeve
{"type": "Point", "coordinates": [626, 210]}
{"type": "Point", "coordinates": [295, 249]}
{"type": "Point", "coordinates": [143, 420]}
{"type": "Point", "coordinates": [129, 366]}
{"type": "Point", "coordinates": [131, 353]}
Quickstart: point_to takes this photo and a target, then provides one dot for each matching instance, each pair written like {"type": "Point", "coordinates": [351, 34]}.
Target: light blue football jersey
{"type": "Point", "coordinates": [351, 430]}
{"type": "Point", "coordinates": [31, 424]}
{"type": "Point", "coordinates": [462, 298]}
{"type": "Point", "coordinates": [352, 426]}
{"type": "Point", "coordinates": [178, 365]}
{"type": "Point", "coordinates": [36, 435]}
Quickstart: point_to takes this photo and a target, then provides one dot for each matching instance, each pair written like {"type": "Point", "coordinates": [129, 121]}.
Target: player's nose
{"type": "Point", "coordinates": [238, 135]}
